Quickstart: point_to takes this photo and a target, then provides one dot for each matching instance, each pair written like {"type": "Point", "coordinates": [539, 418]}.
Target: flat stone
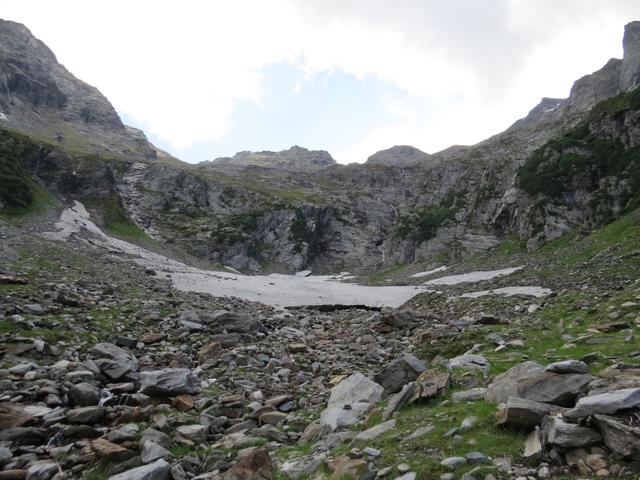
{"type": "Point", "coordinates": [375, 431]}
{"type": "Point", "coordinates": [605, 403]}
{"type": "Point", "coordinates": [272, 418]}
{"type": "Point", "coordinates": [453, 463]}
{"type": "Point", "coordinates": [557, 389]}
{"type": "Point", "coordinates": [159, 470]}
{"type": "Point", "coordinates": [350, 399]}
{"type": "Point", "coordinates": [86, 415]}
{"type": "Point", "coordinates": [194, 432]}
{"type": "Point", "coordinates": [471, 395]}
{"type": "Point", "coordinates": [567, 366]}
{"type": "Point", "coordinates": [42, 471]}
{"type": "Point", "coordinates": [151, 451]}
{"type": "Point", "coordinates": [471, 361]}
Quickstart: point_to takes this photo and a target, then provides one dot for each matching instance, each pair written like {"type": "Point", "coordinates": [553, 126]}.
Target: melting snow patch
{"type": "Point", "coordinates": [429, 272]}
{"type": "Point", "coordinates": [509, 292]}
{"type": "Point", "coordinates": [276, 289]}
{"type": "Point", "coordinates": [471, 277]}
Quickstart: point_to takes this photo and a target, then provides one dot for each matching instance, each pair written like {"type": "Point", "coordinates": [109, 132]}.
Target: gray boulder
{"type": "Point", "coordinates": [158, 470]}
{"type": "Point", "coordinates": [505, 385]}
{"type": "Point", "coordinates": [568, 435]}
{"type": "Point", "coordinates": [567, 366]}
{"type": "Point", "coordinates": [398, 318]}
{"type": "Point", "coordinates": [605, 403]}
{"type": "Point", "coordinates": [350, 399]}
{"type": "Point", "coordinates": [169, 382]}
{"type": "Point", "coordinates": [400, 372]}
{"type": "Point", "coordinates": [557, 389]}
{"type": "Point", "coordinates": [83, 395]}
{"type": "Point", "coordinates": [471, 361]}
{"type": "Point", "coordinates": [523, 414]}
{"type": "Point", "coordinates": [42, 471]}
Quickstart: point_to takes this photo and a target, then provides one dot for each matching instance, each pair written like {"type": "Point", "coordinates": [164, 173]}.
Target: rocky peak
{"type": "Point", "coordinates": [40, 97]}
{"type": "Point", "coordinates": [398, 155]}
{"type": "Point", "coordinates": [630, 75]}
{"type": "Point", "coordinates": [295, 158]}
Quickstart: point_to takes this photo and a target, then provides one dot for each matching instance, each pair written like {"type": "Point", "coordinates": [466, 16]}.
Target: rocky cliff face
{"type": "Point", "coordinates": [298, 209]}
{"type": "Point", "coordinates": [38, 96]}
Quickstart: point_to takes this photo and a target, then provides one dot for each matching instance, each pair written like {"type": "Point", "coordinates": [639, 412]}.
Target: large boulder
{"type": "Point", "coordinates": [568, 435]}
{"type": "Point", "coordinates": [350, 399]}
{"type": "Point", "coordinates": [623, 440]}
{"type": "Point", "coordinates": [605, 403]}
{"type": "Point", "coordinates": [113, 361]}
{"type": "Point", "coordinates": [523, 414]}
{"type": "Point", "coordinates": [400, 372]}
{"type": "Point", "coordinates": [169, 382]}
{"type": "Point", "coordinates": [557, 389]}
{"type": "Point", "coordinates": [158, 470]}
{"type": "Point", "coordinates": [505, 385]}
{"type": "Point", "coordinates": [398, 318]}
{"type": "Point", "coordinates": [83, 395]}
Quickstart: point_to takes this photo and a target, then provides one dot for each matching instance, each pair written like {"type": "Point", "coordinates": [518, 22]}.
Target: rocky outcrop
{"type": "Point", "coordinates": [294, 159]}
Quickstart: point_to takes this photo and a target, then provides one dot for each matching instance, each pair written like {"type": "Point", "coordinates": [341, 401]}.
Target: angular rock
{"type": "Point", "coordinates": [109, 451]}
{"type": "Point", "coordinates": [400, 372]}
{"type": "Point", "coordinates": [471, 395]}
{"type": "Point", "coordinates": [505, 385]}
{"type": "Point", "coordinates": [429, 385]}
{"type": "Point", "coordinates": [623, 440]}
{"type": "Point", "coordinates": [533, 445]}
{"type": "Point", "coordinates": [522, 414]}
{"type": "Point", "coordinates": [557, 389]}
{"type": "Point", "coordinates": [169, 382]}
{"type": "Point", "coordinates": [471, 361]}
{"type": "Point", "coordinates": [86, 415]}
{"type": "Point", "coordinates": [83, 395]}
{"type": "Point", "coordinates": [568, 435]}
{"type": "Point", "coordinates": [567, 366]}
{"type": "Point", "coordinates": [375, 431]}
{"type": "Point", "coordinates": [194, 432]}
{"type": "Point", "coordinates": [159, 470]}
{"type": "Point", "coordinates": [397, 401]}
{"type": "Point", "coordinates": [399, 318]}
{"type": "Point", "coordinates": [605, 403]}
{"type": "Point", "coordinates": [151, 451]}
{"type": "Point", "coordinates": [42, 471]}
{"type": "Point", "coordinates": [352, 397]}
{"type": "Point", "coordinates": [254, 466]}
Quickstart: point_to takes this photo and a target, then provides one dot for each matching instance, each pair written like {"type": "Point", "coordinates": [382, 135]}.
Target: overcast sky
{"type": "Point", "coordinates": [209, 78]}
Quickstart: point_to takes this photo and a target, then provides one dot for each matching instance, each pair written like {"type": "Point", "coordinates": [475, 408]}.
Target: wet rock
{"type": "Point", "coordinates": [169, 382]}
{"type": "Point", "coordinates": [402, 370]}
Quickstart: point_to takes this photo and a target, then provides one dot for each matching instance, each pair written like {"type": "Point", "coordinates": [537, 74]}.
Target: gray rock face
{"type": "Point", "coordinates": [399, 372]}
{"type": "Point", "coordinates": [40, 96]}
{"type": "Point", "coordinates": [294, 159]}
{"type": "Point", "coordinates": [630, 75]}
{"type": "Point", "coordinates": [169, 382]}
{"type": "Point", "coordinates": [159, 470]}
{"type": "Point", "coordinates": [400, 155]}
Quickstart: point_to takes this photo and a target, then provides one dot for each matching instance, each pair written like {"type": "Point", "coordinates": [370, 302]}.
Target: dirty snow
{"type": "Point", "coordinates": [471, 277]}
{"type": "Point", "coordinates": [429, 272]}
{"type": "Point", "coordinates": [510, 291]}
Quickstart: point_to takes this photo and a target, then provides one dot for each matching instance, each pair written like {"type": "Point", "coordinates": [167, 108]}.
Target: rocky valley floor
{"type": "Point", "coordinates": [110, 372]}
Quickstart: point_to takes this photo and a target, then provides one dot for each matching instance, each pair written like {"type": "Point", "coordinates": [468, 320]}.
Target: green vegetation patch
{"type": "Point", "coordinates": [299, 232]}
{"type": "Point", "coordinates": [19, 193]}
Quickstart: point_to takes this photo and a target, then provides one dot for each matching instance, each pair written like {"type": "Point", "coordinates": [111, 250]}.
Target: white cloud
{"type": "Point", "coordinates": [180, 67]}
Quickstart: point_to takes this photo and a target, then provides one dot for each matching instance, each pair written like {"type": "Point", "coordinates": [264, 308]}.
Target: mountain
{"type": "Point", "coordinates": [39, 97]}
{"type": "Point", "coordinates": [293, 159]}
{"type": "Point", "coordinates": [399, 155]}
{"type": "Point", "coordinates": [295, 209]}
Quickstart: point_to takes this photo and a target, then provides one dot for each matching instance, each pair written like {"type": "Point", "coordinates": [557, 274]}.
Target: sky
{"type": "Point", "coordinates": [206, 79]}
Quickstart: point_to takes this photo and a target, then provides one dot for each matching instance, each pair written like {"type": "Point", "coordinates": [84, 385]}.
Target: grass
{"type": "Point", "coordinates": [382, 275]}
